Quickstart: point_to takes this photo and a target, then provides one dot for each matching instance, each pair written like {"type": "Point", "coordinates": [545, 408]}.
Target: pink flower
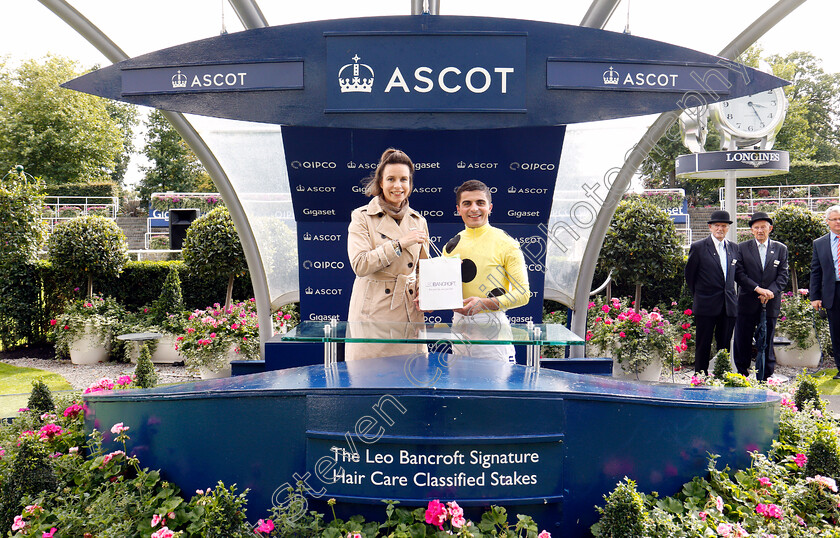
{"type": "Point", "coordinates": [703, 516]}
{"type": "Point", "coordinates": [724, 529]}
{"type": "Point", "coordinates": [155, 520]}
{"type": "Point", "coordinates": [265, 525]}
{"type": "Point", "coordinates": [800, 460]}
{"type": "Point", "coordinates": [118, 428]}
{"type": "Point", "coordinates": [622, 334]}
{"type": "Point", "coordinates": [32, 508]}
{"type": "Point", "coordinates": [124, 380]}
{"type": "Point", "coordinates": [764, 481]}
{"type": "Point", "coordinates": [687, 312]}
{"type": "Point", "coordinates": [544, 534]}
{"type": "Point", "coordinates": [49, 431]}
{"type": "Point", "coordinates": [719, 503]}
{"type": "Point", "coordinates": [112, 455]}
{"type": "Point", "coordinates": [53, 322]}
{"type": "Point", "coordinates": [73, 411]}
{"type": "Point", "coordinates": [18, 524]}
{"type": "Point", "coordinates": [823, 481]}
{"type": "Point", "coordinates": [164, 532]}
{"type": "Point", "coordinates": [354, 535]}
{"type": "Point", "coordinates": [457, 515]}
{"type": "Point", "coordinates": [695, 381]}
{"type": "Point", "coordinates": [605, 309]}
{"type": "Point", "coordinates": [436, 514]}
{"type": "Point", "coordinates": [769, 510]}
{"type": "Point", "coordinates": [49, 534]}
{"type": "Point", "coordinates": [287, 316]}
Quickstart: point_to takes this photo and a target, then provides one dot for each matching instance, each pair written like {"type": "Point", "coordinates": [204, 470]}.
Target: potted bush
{"type": "Point", "coordinates": [84, 329]}
{"type": "Point", "coordinates": [799, 323]}
{"type": "Point", "coordinates": [69, 211]}
{"type": "Point", "coordinates": [99, 210]}
{"type": "Point", "coordinates": [90, 246]}
{"type": "Point", "coordinates": [166, 316]}
{"type": "Point", "coordinates": [640, 343]}
{"type": "Point", "coordinates": [212, 249]}
{"type": "Point", "coordinates": [217, 335]}
{"type": "Point", "coordinates": [797, 228]}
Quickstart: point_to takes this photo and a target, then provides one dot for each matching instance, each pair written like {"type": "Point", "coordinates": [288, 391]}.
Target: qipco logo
{"type": "Point", "coordinates": [547, 167]}
{"type": "Point", "coordinates": [322, 264]}
{"type": "Point", "coordinates": [312, 165]}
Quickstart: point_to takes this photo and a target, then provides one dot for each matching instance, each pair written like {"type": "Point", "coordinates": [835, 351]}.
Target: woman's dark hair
{"type": "Point", "coordinates": [473, 185]}
{"type": "Point", "coordinates": [373, 184]}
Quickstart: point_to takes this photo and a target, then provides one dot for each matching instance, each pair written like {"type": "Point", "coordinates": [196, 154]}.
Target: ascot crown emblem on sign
{"type": "Point", "coordinates": [611, 77]}
{"type": "Point", "coordinates": [361, 79]}
{"type": "Point", "coordinates": [179, 80]}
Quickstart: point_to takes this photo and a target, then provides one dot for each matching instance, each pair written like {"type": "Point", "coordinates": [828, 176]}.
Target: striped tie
{"type": "Point", "coordinates": [838, 257]}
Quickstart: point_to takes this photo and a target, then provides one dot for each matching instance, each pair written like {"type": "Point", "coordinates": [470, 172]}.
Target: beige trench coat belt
{"type": "Point", "coordinates": [401, 295]}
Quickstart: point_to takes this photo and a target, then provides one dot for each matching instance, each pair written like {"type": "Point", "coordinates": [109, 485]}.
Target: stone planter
{"type": "Point", "coordinates": [798, 358]}
{"type": "Point", "coordinates": [650, 373]}
{"type": "Point", "coordinates": [165, 352]}
{"type": "Point", "coordinates": [87, 349]}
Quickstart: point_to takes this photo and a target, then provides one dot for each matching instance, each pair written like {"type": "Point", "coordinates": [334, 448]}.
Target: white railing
{"type": "Point", "coordinates": [58, 209]}
{"type": "Point", "coordinates": [769, 198]}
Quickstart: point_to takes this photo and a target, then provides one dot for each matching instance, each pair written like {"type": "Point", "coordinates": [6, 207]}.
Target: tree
{"type": "Point", "coordinates": [125, 115]}
{"type": "Point", "coordinates": [797, 228]}
{"type": "Point", "coordinates": [60, 135]}
{"type": "Point", "coordinates": [812, 126]}
{"type": "Point", "coordinates": [212, 248]}
{"type": "Point", "coordinates": [93, 246]}
{"type": "Point", "coordinates": [174, 165]}
{"type": "Point", "coordinates": [641, 246]}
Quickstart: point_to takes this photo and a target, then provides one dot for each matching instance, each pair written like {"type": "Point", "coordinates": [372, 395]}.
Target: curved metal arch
{"type": "Point", "coordinates": [249, 13]}
{"type": "Point", "coordinates": [599, 13]}
{"type": "Point", "coordinates": [110, 50]}
{"type": "Point", "coordinates": [750, 35]}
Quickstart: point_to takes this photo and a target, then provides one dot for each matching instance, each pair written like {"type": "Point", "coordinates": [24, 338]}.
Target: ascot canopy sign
{"type": "Point", "coordinates": [424, 72]}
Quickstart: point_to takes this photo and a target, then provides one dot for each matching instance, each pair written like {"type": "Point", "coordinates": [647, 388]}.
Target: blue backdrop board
{"type": "Point", "coordinates": [546, 444]}
{"type": "Point", "coordinates": [326, 172]}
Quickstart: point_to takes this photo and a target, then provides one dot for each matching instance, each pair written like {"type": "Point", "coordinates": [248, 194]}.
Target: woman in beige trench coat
{"type": "Point", "coordinates": [385, 242]}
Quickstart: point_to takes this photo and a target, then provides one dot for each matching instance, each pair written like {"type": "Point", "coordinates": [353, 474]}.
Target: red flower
{"type": "Point", "coordinates": [53, 321]}
{"type": "Point", "coordinates": [686, 326]}
{"type": "Point", "coordinates": [687, 312]}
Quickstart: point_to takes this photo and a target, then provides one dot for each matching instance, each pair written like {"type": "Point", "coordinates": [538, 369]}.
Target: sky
{"type": "Point", "coordinates": [30, 30]}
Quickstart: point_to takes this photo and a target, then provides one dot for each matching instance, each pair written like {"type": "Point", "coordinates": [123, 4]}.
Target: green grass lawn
{"type": "Point", "coordinates": [16, 383]}
{"type": "Point", "coordinates": [825, 383]}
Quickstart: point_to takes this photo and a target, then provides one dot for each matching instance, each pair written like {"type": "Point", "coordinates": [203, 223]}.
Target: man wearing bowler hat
{"type": "Point", "coordinates": [765, 266]}
{"type": "Point", "coordinates": [712, 268]}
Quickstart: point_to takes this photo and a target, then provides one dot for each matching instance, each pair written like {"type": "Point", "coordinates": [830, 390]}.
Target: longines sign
{"type": "Point", "coordinates": [432, 73]}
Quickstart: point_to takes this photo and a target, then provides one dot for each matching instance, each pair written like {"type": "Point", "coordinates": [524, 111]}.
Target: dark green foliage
{"type": "Point", "coordinates": [823, 456]}
{"type": "Point", "coordinates": [102, 188]}
{"type": "Point", "coordinates": [145, 375]}
{"type": "Point", "coordinates": [641, 245]}
{"type": "Point", "coordinates": [40, 399]}
{"type": "Point", "coordinates": [31, 473]}
{"type": "Point", "coordinates": [806, 392]}
{"type": "Point", "coordinates": [624, 514]}
{"type": "Point", "coordinates": [797, 228]}
{"type": "Point", "coordinates": [722, 365]}
{"type": "Point", "coordinates": [93, 246]}
{"type": "Point", "coordinates": [171, 300]}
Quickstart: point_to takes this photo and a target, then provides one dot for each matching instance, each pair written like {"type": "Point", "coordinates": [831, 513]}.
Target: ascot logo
{"type": "Point", "coordinates": [611, 77]}
{"type": "Point", "coordinates": [321, 237]}
{"type": "Point", "coordinates": [323, 291]}
{"type": "Point", "coordinates": [355, 77]}
{"type": "Point", "coordinates": [179, 80]}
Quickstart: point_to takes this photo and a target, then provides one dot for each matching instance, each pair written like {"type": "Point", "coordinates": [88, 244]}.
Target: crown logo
{"type": "Point", "coordinates": [351, 165]}
{"type": "Point", "coordinates": [179, 80]}
{"type": "Point", "coordinates": [309, 290]}
{"type": "Point", "coordinates": [307, 236]}
{"type": "Point", "coordinates": [611, 77]}
{"type": "Point", "coordinates": [461, 164]}
{"type": "Point", "coordinates": [360, 80]}
{"type": "Point", "coordinates": [511, 189]}
{"type": "Point", "coordinates": [301, 188]}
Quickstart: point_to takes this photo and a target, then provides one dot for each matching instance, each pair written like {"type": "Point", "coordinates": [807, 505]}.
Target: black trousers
{"type": "Point", "coordinates": [834, 325]}
{"type": "Point", "coordinates": [742, 353]}
{"type": "Point", "coordinates": [720, 327]}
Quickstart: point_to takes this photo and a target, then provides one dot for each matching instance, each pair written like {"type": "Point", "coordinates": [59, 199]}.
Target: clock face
{"type": "Point", "coordinates": [753, 116]}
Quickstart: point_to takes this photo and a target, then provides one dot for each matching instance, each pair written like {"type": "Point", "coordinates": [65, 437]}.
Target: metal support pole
{"type": "Point", "coordinates": [730, 203]}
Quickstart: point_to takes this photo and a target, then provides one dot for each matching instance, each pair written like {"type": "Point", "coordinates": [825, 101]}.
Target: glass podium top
{"type": "Point", "coordinates": [544, 334]}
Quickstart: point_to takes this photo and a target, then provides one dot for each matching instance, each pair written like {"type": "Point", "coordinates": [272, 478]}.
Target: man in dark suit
{"type": "Point", "coordinates": [710, 272]}
{"type": "Point", "coordinates": [765, 265]}
{"type": "Point", "coordinates": [825, 292]}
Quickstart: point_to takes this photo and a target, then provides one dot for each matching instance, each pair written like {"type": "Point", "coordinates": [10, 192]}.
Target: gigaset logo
{"type": "Point", "coordinates": [318, 212]}
{"type": "Point", "coordinates": [520, 214]}
{"type": "Point", "coordinates": [322, 317]}
{"type": "Point", "coordinates": [322, 264]}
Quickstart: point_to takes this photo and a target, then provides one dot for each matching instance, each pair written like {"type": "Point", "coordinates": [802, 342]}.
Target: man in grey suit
{"type": "Point", "coordinates": [765, 264]}
{"type": "Point", "coordinates": [825, 272]}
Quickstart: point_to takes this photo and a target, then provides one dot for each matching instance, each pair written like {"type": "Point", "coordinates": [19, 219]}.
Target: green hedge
{"type": "Point", "coordinates": [661, 291]}
{"type": "Point", "coordinates": [801, 173]}
{"type": "Point", "coordinates": [105, 188]}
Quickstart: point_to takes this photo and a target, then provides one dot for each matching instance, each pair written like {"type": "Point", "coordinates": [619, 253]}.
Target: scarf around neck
{"type": "Point", "coordinates": [397, 213]}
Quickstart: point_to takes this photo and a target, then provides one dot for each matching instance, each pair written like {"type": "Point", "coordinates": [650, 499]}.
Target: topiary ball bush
{"type": "Point", "coordinates": [624, 515]}
{"type": "Point", "coordinates": [212, 248]}
{"type": "Point", "coordinates": [40, 399]}
{"type": "Point", "coordinates": [91, 246]}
